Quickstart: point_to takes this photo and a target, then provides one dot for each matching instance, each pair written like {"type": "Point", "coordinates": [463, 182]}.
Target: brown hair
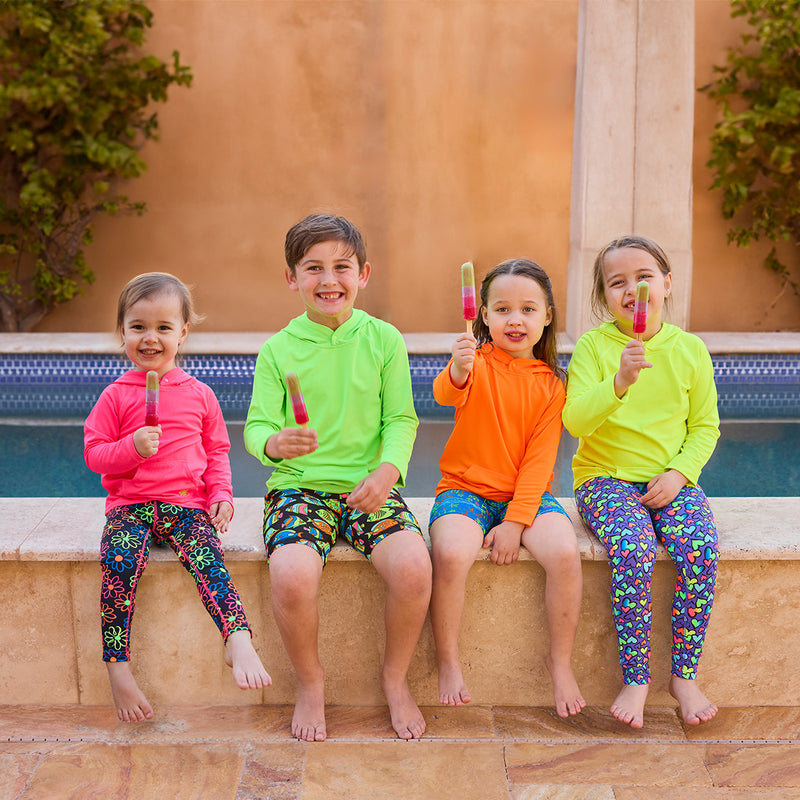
{"type": "Point", "coordinates": [149, 284]}
{"type": "Point", "coordinates": [318, 228]}
{"type": "Point", "coordinates": [598, 297]}
{"type": "Point", "coordinates": [546, 348]}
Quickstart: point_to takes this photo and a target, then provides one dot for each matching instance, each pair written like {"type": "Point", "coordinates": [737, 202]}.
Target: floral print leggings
{"type": "Point", "coordinates": [124, 551]}
{"type": "Point", "coordinates": [628, 531]}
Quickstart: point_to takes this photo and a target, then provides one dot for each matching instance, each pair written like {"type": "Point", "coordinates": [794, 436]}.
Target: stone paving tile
{"type": "Point", "coordinates": [633, 763]}
{"type": "Point", "coordinates": [754, 764]}
{"type": "Point", "coordinates": [702, 793]}
{"type": "Point", "coordinates": [521, 722]}
{"type": "Point", "coordinates": [15, 771]}
{"type": "Point", "coordinates": [411, 770]}
{"type": "Point", "coordinates": [731, 724]}
{"type": "Point", "coordinates": [556, 792]}
{"type": "Point", "coordinates": [178, 772]}
{"type": "Point", "coordinates": [272, 772]}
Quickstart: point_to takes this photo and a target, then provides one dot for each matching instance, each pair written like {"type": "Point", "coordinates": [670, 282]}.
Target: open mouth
{"type": "Point", "coordinates": [515, 336]}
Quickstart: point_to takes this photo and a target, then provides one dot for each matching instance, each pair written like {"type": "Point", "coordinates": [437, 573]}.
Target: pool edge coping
{"type": "Point", "coordinates": [244, 343]}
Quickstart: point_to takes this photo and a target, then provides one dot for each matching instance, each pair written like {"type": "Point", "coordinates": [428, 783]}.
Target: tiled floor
{"type": "Point", "coordinates": [508, 753]}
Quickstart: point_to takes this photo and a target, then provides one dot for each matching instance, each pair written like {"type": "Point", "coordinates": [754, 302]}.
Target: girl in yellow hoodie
{"type": "Point", "coordinates": [645, 412]}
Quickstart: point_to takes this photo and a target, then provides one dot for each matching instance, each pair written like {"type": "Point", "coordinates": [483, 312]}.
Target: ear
{"type": "Point", "coordinates": [667, 284]}
{"type": "Point", "coordinates": [549, 316]}
{"type": "Point", "coordinates": [291, 279]}
{"type": "Point", "coordinates": [363, 275]}
{"type": "Point", "coordinates": [184, 333]}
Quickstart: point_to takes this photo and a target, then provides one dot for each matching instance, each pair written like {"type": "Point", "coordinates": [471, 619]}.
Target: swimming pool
{"type": "Point", "coordinates": [44, 398]}
{"type": "Point", "coordinates": [753, 458]}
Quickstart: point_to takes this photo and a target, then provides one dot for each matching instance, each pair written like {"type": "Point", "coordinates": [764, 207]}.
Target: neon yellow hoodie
{"type": "Point", "coordinates": [356, 385]}
{"type": "Point", "coordinates": [668, 419]}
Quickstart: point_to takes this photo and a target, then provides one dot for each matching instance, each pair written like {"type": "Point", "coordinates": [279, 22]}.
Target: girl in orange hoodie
{"type": "Point", "coordinates": [508, 392]}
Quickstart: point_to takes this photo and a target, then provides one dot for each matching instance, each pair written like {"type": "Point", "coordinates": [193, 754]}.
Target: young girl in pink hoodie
{"type": "Point", "coordinates": [170, 481]}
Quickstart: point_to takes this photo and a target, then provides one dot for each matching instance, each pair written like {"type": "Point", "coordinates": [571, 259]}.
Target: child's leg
{"type": "Point", "coordinates": [123, 555]}
{"type": "Point", "coordinates": [295, 571]}
{"type": "Point", "coordinates": [189, 532]}
{"type": "Point", "coordinates": [455, 543]}
{"type": "Point", "coordinates": [551, 541]}
{"type": "Point", "coordinates": [402, 560]}
{"type": "Point", "coordinates": [687, 529]}
{"type": "Point", "coordinates": [614, 514]}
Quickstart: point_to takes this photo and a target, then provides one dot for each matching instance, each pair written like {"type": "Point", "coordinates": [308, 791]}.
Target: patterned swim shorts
{"type": "Point", "coordinates": [317, 519]}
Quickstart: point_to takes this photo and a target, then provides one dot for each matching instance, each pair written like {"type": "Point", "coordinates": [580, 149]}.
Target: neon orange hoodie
{"type": "Point", "coordinates": [507, 429]}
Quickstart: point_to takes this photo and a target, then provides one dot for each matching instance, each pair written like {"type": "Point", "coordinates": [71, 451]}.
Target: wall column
{"type": "Point", "coordinates": [632, 145]}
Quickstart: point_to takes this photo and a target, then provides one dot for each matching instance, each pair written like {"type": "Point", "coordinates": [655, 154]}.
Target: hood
{"type": "Point", "coordinates": [304, 329]}
{"type": "Point", "coordinates": [499, 359]}
{"type": "Point", "coordinates": [664, 338]}
{"type": "Point", "coordinates": [138, 377]}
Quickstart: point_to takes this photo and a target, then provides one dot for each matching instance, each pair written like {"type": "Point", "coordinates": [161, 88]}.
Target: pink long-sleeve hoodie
{"type": "Point", "coordinates": [190, 469]}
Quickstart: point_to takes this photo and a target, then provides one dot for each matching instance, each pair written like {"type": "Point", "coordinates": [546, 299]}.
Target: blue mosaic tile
{"type": "Point", "coordinates": [55, 385]}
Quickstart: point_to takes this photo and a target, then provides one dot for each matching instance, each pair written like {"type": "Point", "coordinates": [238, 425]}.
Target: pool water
{"type": "Point", "coordinates": [40, 458]}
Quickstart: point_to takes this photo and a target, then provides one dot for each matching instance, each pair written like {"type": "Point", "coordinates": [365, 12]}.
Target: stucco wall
{"type": "Point", "coordinates": [442, 127]}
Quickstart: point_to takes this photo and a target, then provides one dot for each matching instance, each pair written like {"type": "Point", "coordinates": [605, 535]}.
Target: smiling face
{"type": "Point", "coordinates": [328, 279]}
{"type": "Point", "coordinates": [152, 330]}
{"type": "Point", "coordinates": [516, 313]}
{"type": "Point", "coordinates": [622, 270]}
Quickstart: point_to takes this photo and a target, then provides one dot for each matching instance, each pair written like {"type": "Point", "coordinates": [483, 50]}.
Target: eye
{"type": "Point", "coordinates": [529, 309]}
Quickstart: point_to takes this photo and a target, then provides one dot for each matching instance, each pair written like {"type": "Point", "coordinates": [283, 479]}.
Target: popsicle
{"type": "Point", "coordinates": [296, 396]}
{"type": "Point", "coordinates": [640, 309]}
{"type": "Point", "coordinates": [151, 399]}
{"type": "Point", "coordinates": [468, 299]}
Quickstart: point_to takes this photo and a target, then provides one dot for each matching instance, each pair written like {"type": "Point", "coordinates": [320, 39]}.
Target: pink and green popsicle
{"type": "Point", "coordinates": [640, 309]}
{"type": "Point", "coordinates": [296, 396]}
{"type": "Point", "coordinates": [468, 298]}
{"type": "Point", "coordinates": [151, 399]}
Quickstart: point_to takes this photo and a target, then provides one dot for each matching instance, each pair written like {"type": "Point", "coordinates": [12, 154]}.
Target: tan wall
{"type": "Point", "coordinates": [442, 127]}
{"type": "Point", "coordinates": [732, 290]}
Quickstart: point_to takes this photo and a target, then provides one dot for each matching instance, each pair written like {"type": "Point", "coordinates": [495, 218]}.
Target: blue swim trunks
{"type": "Point", "coordinates": [487, 513]}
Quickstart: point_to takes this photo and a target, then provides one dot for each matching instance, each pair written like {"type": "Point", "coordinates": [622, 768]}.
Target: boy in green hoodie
{"type": "Point", "coordinates": [339, 475]}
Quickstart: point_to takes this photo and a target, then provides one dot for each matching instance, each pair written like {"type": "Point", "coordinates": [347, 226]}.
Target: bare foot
{"type": "Point", "coordinates": [308, 722]}
{"type": "Point", "coordinates": [695, 706]}
{"type": "Point", "coordinates": [629, 705]}
{"type": "Point", "coordinates": [132, 705]}
{"type": "Point", "coordinates": [241, 657]}
{"type": "Point", "coordinates": [568, 697]}
{"type": "Point", "coordinates": [407, 719]}
{"type": "Point", "coordinates": [452, 689]}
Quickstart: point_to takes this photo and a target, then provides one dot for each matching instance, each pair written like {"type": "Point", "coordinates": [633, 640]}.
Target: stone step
{"type": "Point", "coordinates": [50, 637]}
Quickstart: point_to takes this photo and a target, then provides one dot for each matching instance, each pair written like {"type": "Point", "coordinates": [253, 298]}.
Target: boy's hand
{"type": "Point", "coordinates": [663, 488]}
{"type": "Point", "coordinates": [463, 359]}
{"type": "Point", "coordinates": [221, 514]}
{"type": "Point", "coordinates": [631, 363]}
{"type": "Point", "coordinates": [145, 440]}
{"type": "Point", "coordinates": [504, 541]}
{"type": "Point", "coordinates": [371, 494]}
{"type": "Point", "coordinates": [291, 443]}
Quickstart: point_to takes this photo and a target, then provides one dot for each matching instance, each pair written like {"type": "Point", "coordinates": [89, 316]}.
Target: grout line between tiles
{"type": "Point", "coordinates": [360, 740]}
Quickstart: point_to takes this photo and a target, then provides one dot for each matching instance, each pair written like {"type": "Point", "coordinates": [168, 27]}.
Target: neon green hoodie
{"type": "Point", "coordinates": [668, 419]}
{"type": "Point", "coordinates": [356, 385]}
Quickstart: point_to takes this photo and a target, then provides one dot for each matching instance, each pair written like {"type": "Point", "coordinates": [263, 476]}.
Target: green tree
{"type": "Point", "coordinates": [756, 145]}
{"type": "Point", "coordinates": [75, 109]}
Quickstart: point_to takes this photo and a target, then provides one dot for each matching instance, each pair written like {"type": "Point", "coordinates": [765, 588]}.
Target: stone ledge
{"type": "Point", "coordinates": [68, 529]}
{"type": "Point", "coordinates": [249, 342]}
